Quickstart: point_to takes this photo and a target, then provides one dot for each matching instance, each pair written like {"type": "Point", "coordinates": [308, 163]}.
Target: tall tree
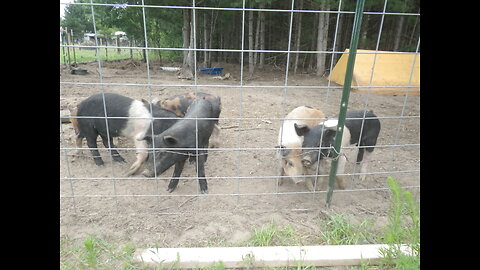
{"type": "Point", "coordinates": [322, 34]}
{"type": "Point", "coordinates": [261, 15]}
{"type": "Point", "coordinates": [78, 18]}
{"type": "Point", "coordinates": [299, 34]}
{"type": "Point", "coordinates": [186, 33]}
{"type": "Point", "coordinates": [250, 43]}
{"type": "Point", "coordinates": [206, 38]}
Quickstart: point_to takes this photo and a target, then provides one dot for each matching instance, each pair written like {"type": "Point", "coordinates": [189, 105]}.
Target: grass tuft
{"type": "Point", "coordinates": [403, 228]}
{"type": "Point", "coordinates": [338, 229]}
{"type": "Point", "coordinates": [271, 234]}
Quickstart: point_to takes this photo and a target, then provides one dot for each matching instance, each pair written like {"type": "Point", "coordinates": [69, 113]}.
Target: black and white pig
{"type": "Point", "coordinates": [290, 144]}
{"type": "Point", "coordinates": [186, 135]}
{"type": "Point", "coordinates": [136, 127]}
{"type": "Point", "coordinates": [351, 136]}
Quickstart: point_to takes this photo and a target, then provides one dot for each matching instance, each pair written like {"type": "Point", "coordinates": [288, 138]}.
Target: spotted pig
{"type": "Point", "coordinates": [359, 131]}
{"type": "Point", "coordinates": [289, 144]}
{"type": "Point", "coordinates": [126, 118]}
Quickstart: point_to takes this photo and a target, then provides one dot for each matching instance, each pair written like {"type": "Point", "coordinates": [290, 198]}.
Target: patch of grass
{"type": "Point", "coordinates": [95, 253]}
{"type": "Point", "coordinates": [338, 229]}
{"type": "Point", "coordinates": [271, 234]}
{"type": "Point", "coordinates": [90, 55]}
{"type": "Point", "coordinates": [403, 228]}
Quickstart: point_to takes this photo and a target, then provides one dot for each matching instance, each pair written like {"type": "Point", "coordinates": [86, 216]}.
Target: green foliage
{"type": "Point", "coordinates": [95, 253]}
{"type": "Point", "coordinates": [164, 26]}
{"type": "Point", "coordinates": [339, 230]}
{"type": "Point", "coordinates": [90, 55]}
{"type": "Point", "coordinates": [78, 18]}
{"type": "Point", "coordinates": [403, 228]}
{"type": "Point", "coordinates": [271, 234]}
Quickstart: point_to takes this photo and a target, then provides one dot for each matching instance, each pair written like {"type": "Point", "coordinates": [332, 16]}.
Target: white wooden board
{"type": "Point", "coordinates": [236, 257]}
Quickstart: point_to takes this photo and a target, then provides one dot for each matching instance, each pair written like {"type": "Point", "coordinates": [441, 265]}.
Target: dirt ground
{"type": "Point", "coordinates": [243, 191]}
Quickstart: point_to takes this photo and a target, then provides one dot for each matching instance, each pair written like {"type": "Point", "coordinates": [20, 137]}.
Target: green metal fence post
{"type": "Point", "coordinates": [345, 96]}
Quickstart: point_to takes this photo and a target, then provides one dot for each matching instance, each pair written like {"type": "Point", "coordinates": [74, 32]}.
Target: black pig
{"type": "Point", "coordinates": [186, 134]}
{"type": "Point", "coordinates": [351, 136]}
{"type": "Point", "coordinates": [179, 105]}
{"type": "Point", "coordinates": [135, 128]}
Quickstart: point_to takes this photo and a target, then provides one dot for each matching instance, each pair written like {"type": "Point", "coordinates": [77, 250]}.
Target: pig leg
{"type": "Point", "coordinates": [176, 174]}
{"type": "Point", "coordinates": [309, 183]}
{"type": "Point", "coordinates": [78, 143]}
{"type": "Point", "coordinates": [360, 154]}
{"type": "Point", "coordinates": [214, 140]}
{"type": "Point", "coordinates": [92, 144]}
{"type": "Point", "coordinates": [281, 173]}
{"type": "Point", "coordinates": [113, 152]}
{"type": "Point", "coordinates": [280, 179]}
{"type": "Point", "coordinates": [342, 160]}
{"type": "Point", "coordinates": [202, 181]}
{"type": "Point", "coordinates": [363, 168]}
{"type": "Point", "coordinates": [142, 155]}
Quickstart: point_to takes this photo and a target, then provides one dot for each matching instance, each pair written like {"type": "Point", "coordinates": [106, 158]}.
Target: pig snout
{"type": "Point", "coordinates": [293, 167]}
{"type": "Point", "coordinates": [307, 161]}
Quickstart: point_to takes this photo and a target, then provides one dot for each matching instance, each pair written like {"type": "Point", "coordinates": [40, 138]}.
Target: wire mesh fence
{"type": "Point", "coordinates": [278, 56]}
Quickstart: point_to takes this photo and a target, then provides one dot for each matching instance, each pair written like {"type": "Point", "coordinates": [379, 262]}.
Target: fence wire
{"type": "Point", "coordinates": [74, 162]}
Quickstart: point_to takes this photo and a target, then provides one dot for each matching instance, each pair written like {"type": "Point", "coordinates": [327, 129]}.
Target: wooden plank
{"type": "Point", "coordinates": [238, 257]}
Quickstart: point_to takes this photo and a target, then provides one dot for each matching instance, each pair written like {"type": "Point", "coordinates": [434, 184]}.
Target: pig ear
{"type": "Point", "coordinates": [301, 129]}
{"type": "Point", "coordinates": [148, 138]}
{"type": "Point", "coordinates": [144, 101]}
{"type": "Point", "coordinates": [330, 132]}
{"type": "Point", "coordinates": [170, 140]}
{"type": "Point", "coordinates": [156, 100]}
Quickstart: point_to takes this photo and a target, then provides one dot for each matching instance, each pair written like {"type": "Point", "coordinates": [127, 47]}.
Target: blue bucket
{"type": "Point", "coordinates": [214, 71]}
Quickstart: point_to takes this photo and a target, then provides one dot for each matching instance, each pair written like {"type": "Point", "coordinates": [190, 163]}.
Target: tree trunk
{"type": "Point", "coordinates": [338, 45]}
{"type": "Point", "coordinates": [398, 35]}
{"type": "Point", "coordinates": [257, 43]}
{"type": "Point", "coordinates": [188, 68]}
{"type": "Point", "coordinates": [250, 43]}
{"type": "Point", "coordinates": [235, 37]}
{"type": "Point", "coordinates": [262, 36]}
{"type": "Point", "coordinates": [311, 57]}
{"type": "Point", "coordinates": [411, 40]}
{"type": "Point", "coordinates": [363, 39]}
{"type": "Point", "coordinates": [213, 23]}
{"type": "Point", "coordinates": [323, 21]}
{"type": "Point", "coordinates": [206, 37]}
{"type": "Point", "coordinates": [186, 33]}
{"type": "Point", "coordinates": [299, 33]}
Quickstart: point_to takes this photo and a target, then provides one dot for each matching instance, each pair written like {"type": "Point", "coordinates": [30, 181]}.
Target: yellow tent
{"type": "Point", "coordinates": [389, 70]}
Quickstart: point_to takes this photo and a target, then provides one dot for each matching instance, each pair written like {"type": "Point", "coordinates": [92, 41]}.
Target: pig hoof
{"type": "Point", "coordinates": [119, 158]}
{"type": "Point", "coordinates": [204, 191]}
{"type": "Point", "coordinates": [148, 173]}
{"type": "Point", "coordinates": [100, 164]}
{"type": "Point", "coordinates": [170, 190]}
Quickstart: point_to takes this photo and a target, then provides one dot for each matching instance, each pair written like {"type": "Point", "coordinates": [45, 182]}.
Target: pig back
{"type": "Point", "coordinates": [115, 106]}
{"type": "Point", "coordinates": [288, 136]}
{"type": "Point", "coordinates": [179, 104]}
